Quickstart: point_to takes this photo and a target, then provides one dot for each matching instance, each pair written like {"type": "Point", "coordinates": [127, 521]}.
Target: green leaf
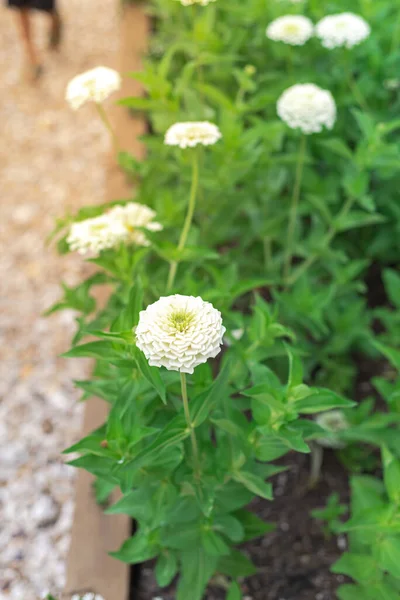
{"type": "Point", "coordinates": [253, 526]}
{"type": "Point", "coordinates": [392, 354]}
{"type": "Point", "coordinates": [361, 567]}
{"type": "Point", "coordinates": [99, 350]}
{"type": "Point", "coordinates": [203, 404]}
{"type": "Point", "coordinates": [255, 484]}
{"type": "Point", "coordinates": [357, 219]}
{"type": "Point", "coordinates": [230, 526]}
{"type": "Point", "coordinates": [166, 568]}
{"type": "Point", "coordinates": [337, 146]}
{"type": "Point", "coordinates": [151, 374]}
{"type": "Point", "coordinates": [136, 549]}
{"type": "Point", "coordinates": [236, 565]}
{"type": "Point", "coordinates": [388, 553]}
{"type": "Point", "coordinates": [234, 592]}
{"type": "Point", "coordinates": [197, 569]}
{"type": "Point", "coordinates": [213, 543]}
{"type": "Point", "coordinates": [391, 475]}
{"type": "Point", "coordinates": [295, 369]}
{"type": "Point", "coordinates": [321, 399]}
{"type": "Point", "coordinates": [392, 286]}
{"type": "Point", "coordinates": [175, 432]}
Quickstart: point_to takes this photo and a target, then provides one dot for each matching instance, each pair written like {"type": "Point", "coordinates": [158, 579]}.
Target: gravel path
{"type": "Point", "coordinates": [51, 161]}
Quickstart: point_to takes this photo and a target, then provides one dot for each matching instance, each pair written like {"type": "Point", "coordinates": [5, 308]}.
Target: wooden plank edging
{"type": "Point", "coordinates": [94, 534]}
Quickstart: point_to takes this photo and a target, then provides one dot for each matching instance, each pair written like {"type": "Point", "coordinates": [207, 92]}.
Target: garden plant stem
{"type": "Point", "coordinates": [327, 240]}
{"type": "Point", "coordinates": [189, 423]}
{"type": "Point", "coordinates": [188, 221]}
{"type": "Point", "coordinates": [293, 208]}
{"type": "Point", "coordinates": [106, 122]}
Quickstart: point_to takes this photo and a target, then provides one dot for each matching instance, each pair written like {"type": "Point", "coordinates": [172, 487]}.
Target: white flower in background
{"type": "Point", "coordinates": [345, 29]}
{"type": "Point", "coordinates": [192, 133]}
{"type": "Point", "coordinates": [190, 2]}
{"type": "Point", "coordinates": [290, 29]}
{"type": "Point", "coordinates": [307, 107]}
{"type": "Point", "coordinates": [95, 85]}
{"type": "Point", "coordinates": [179, 332]}
{"type": "Point", "coordinates": [134, 215]}
{"type": "Point", "coordinates": [333, 421]}
{"type": "Point", "coordinates": [109, 230]}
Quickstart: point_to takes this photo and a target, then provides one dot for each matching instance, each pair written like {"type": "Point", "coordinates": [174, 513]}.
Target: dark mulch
{"type": "Point", "coordinates": [294, 561]}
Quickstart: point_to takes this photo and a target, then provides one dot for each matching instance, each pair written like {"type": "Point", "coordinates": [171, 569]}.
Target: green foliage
{"type": "Point", "coordinates": [297, 329]}
{"type": "Point", "coordinates": [373, 557]}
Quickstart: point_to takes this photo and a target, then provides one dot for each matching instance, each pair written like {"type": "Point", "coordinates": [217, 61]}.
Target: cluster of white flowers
{"type": "Point", "coordinates": [295, 30]}
{"type": "Point", "coordinates": [95, 85]}
{"type": "Point", "coordinates": [333, 421]}
{"type": "Point", "coordinates": [307, 107]}
{"type": "Point", "coordinates": [117, 226]}
{"type": "Point", "coordinates": [344, 29]}
{"type": "Point", "coordinates": [179, 332]}
{"type": "Point", "coordinates": [192, 133]}
{"type": "Point", "coordinates": [190, 2]}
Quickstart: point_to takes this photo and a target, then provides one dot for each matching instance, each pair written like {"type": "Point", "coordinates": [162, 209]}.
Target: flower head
{"type": "Point", "coordinates": [190, 2]}
{"type": "Point", "coordinates": [109, 230]}
{"type": "Point", "coordinates": [291, 29]}
{"type": "Point", "coordinates": [179, 332]}
{"type": "Point", "coordinates": [333, 421]}
{"type": "Point", "coordinates": [192, 133]}
{"type": "Point", "coordinates": [344, 29]}
{"type": "Point", "coordinates": [307, 107]}
{"type": "Point", "coordinates": [92, 86]}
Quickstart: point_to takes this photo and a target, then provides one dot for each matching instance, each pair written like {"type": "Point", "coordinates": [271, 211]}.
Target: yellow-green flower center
{"type": "Point", "coordinates": [180, 320]}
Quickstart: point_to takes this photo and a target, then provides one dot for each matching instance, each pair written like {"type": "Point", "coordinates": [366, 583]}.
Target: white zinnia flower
{"type": "Point", "coordinates": [109, 230]}
{"type": "Point", "coordinates": [345, 29]}
{"type": "Point", "coordinates": [92, 86]}
{"type": "Point", "coordinates": [307, 107]}
{"type": "Point", "coordinates": [179, 332]}
{"type": "Point", "coordinates": [190, 2]}
{"type": "Point", "coordinates": [191, 133]}
{"type": "Point", "coordinates": [333, 421]}
{"type": "Point", "coordinates": [291, 29]}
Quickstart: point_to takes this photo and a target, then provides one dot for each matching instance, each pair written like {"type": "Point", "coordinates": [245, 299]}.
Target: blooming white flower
{"type": "Point", "coordinates": [192, 133]}
{"type": "Point", "coordinates": [307, 107]}
{"type": "Point", "coordinates": [344, 29]}
{"type": "Point", "coordinates": [92, 86]}
{"type": "Point", "coordinates": [117, 226]}
{"type": "Point", "coordinates": [291, 29]}
{"type": "Point", "coordinates": [134, 215]}
{"type": "Point", "coordinates": [190, 2]}
{"type": "Point", "coordinates": [179, 332]}
{"type": "Point", "coordinates": [333, 421]}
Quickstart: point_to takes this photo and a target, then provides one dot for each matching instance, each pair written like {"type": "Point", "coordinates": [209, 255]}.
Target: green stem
{"type": "Point", "coordinates": [106, 122]}
{"type": "Point", "coordinates": [327, 240]}
{"type": "Point", "coordinates": [293, 208]}
{"type": "Point", "coordinates": [189, 423]}
{"type": "Point", "coordinates": [188, 221]}
{"type": "Point", "coordinates": [355, 90]}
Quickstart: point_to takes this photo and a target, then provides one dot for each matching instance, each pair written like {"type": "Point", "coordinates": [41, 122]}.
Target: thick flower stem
{"type": "Point", "coordinates": [293, 208]}
{"type": "Point", "coordinates": [188, 221]}
{"type": "Point", "coordinates": [106, 122]}
{"type": "Point", "coordinates": [189, 423]}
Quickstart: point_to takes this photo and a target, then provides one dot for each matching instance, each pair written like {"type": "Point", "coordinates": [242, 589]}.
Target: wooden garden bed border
{"type": "Point", "coordinates": [94, 534]}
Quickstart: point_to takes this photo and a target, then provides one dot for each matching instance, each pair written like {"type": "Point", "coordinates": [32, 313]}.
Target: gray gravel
{"type": "Point", "coordinates": [51, 161]}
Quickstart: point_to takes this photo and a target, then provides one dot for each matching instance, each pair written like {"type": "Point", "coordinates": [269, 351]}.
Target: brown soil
{"type": "Point", "coordinates": [294, 561]}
